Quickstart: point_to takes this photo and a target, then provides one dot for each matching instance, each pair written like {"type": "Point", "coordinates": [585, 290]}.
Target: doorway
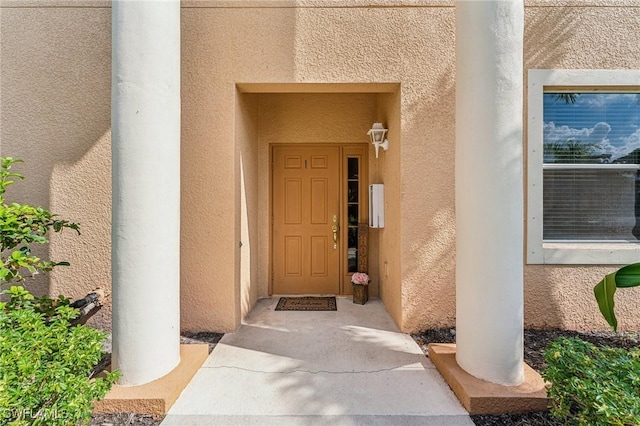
{"type": "Point", "coordinates": [319, 217]}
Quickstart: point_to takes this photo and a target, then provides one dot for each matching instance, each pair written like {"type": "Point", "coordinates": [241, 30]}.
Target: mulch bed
{"type": "Point", "coordinates": [535, 343]}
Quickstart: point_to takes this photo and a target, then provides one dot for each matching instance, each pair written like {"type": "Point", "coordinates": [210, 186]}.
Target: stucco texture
{"type": "Point", "coordinates": [55, 115]}
{"type": "Point", "coordinates": [55, 86]}
{"type": "Point", "coordinates": [578, 38]}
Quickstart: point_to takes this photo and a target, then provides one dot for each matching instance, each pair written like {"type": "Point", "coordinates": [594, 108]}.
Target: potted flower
{"type": "Point", "coordinates": [360, 283]}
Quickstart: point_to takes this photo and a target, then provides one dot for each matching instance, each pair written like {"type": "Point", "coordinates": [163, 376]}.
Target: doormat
{"type": "Point", "coordinates": [307, 304]}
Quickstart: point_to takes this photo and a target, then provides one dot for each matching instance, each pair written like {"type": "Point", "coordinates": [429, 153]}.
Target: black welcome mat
{"type": "Point", "coordinates": [307, 304]}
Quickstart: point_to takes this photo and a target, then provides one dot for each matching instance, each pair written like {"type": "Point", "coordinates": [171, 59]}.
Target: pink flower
{"type": "Point", "coordinates": [360, 278]}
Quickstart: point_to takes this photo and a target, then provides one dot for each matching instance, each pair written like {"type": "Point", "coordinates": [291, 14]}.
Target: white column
{"type": "Point", "coordinates": [489, 192]}
{"type": "Point", "coordinates": [145, 119]}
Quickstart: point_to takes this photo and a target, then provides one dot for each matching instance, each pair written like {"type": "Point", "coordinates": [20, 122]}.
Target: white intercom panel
{"type": "Point", "coordinates": [376, 205]}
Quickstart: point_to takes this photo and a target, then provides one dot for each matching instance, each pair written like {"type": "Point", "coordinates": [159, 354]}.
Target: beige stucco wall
{"type": "Point", "coordinates": [55, 79]}
{"type": "Point", "coordinates": [578, 38]}
{"type": "Point", "coordinates": [246, 205]}
{"type": "Point", "coordinates": [387, 170]}
{"type": "Point", "coordinates": [55, 101]}
{"type": "Point", "coordinates": [337, 45]}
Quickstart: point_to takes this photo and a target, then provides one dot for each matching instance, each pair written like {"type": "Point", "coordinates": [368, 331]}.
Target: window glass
{"type": "Point", "coordinates": [353, 200]}
{"type": "Point", "coordinates": [352, 250]}
{"type": "Point", "coordinates": [591, 128]}
{"type": "Point", "coordinates": [591, 152]}
{"type": "Point", "coordinates": [590, 204]}
{"type": "Point", "coordinates": [353, 191]}
{"type": "Point", "coordinates": [352, 166]}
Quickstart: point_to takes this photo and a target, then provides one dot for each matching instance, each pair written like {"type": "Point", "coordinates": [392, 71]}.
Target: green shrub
{"type": "Point", "coordinates": [46, 364]}
{"type": "Point", "coordinates": [22, 225]}
{"type": "Point", "coordinates": [593, 385]}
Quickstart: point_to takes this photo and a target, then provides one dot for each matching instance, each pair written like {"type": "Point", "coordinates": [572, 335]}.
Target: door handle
{"type": "Point", "coordinates": [335, 229]}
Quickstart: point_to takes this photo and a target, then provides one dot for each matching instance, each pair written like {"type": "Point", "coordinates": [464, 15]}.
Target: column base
{"type": "Point", "coordinates": [478, 396]}
{"type": "Point", "coordinates": [155, 398]}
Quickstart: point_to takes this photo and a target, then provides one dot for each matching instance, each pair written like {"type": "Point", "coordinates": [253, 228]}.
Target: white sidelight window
{"type": "Point", "coordinates": [583, 167]}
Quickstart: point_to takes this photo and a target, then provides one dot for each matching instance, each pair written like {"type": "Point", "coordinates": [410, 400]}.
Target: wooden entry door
{"type": "Point", "coordinates": [305, 224]}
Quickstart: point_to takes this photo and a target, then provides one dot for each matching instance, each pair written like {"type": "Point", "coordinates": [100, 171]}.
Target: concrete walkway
{"type": "Point", "coordinates": [350, 367]}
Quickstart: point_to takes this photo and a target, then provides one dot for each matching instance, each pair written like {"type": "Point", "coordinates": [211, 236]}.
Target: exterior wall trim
{"type": "Point", "coordinates": [347, 4]}
{"type": "Point", "coordinates": [318, 87]}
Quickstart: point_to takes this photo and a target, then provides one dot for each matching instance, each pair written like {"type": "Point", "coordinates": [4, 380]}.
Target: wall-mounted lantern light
{"type": "Point", "coordinates": [377, 133]}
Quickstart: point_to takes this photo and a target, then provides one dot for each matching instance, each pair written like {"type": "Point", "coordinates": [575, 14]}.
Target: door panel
{"type": "Point", "coordinates": [319, 196]}
{"type": "Point", "coordinates": [293, 256]}
{"type": "Point", "coordinates": [306, 194]}
{"type": "Point", "coordinates": [293, 201]}
{"type": "Point", "coordinates": [319, 261]}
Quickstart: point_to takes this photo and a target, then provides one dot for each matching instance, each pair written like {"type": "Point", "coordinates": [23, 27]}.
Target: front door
{"type": "Point", "coordinates": [305, 220]}
{"type": "Point", "coordinates": [319, 217]}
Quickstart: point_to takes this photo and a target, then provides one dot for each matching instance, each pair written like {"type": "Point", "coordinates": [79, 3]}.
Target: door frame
{"type": "Point", "coordinates": [346, 150]}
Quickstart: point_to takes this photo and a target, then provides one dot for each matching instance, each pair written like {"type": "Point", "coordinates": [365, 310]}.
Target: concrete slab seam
{"type": "Point", "coordinates": [381, 370]}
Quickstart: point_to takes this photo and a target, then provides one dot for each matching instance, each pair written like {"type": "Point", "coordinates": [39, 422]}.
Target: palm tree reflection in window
{"type": "Point", "coordinates": [575, 151]}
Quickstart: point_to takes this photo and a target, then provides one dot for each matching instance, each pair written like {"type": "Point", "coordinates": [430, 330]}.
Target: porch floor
{"type": "Point", "coordinates": [346, 367]}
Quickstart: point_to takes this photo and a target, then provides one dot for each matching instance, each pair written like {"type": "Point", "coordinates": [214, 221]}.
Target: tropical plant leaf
{"type": "Point", "coordinates": [625, 277]}
{"type": "Point", "coordinates": [628, 276]}
{"type": "Point", "coordinates": [604, 292]}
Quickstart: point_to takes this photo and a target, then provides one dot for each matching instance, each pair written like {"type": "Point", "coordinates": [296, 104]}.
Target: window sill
{"type": "Point", "coordinates": [596, 253]}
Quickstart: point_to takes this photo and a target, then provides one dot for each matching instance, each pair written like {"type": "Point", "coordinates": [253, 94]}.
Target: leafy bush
{"type": "Point", "coordinates": [20, 226]}
{"type": "Point", "coordinates": [593, 385]}
{"type": "Point", "coordinates": [46, 364]}
{"type": "Point", "coordinates": [46, 361]}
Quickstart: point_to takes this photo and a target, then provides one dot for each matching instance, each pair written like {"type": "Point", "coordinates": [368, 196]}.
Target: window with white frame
{"type": "Point", "coordinates": [583, 166]}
